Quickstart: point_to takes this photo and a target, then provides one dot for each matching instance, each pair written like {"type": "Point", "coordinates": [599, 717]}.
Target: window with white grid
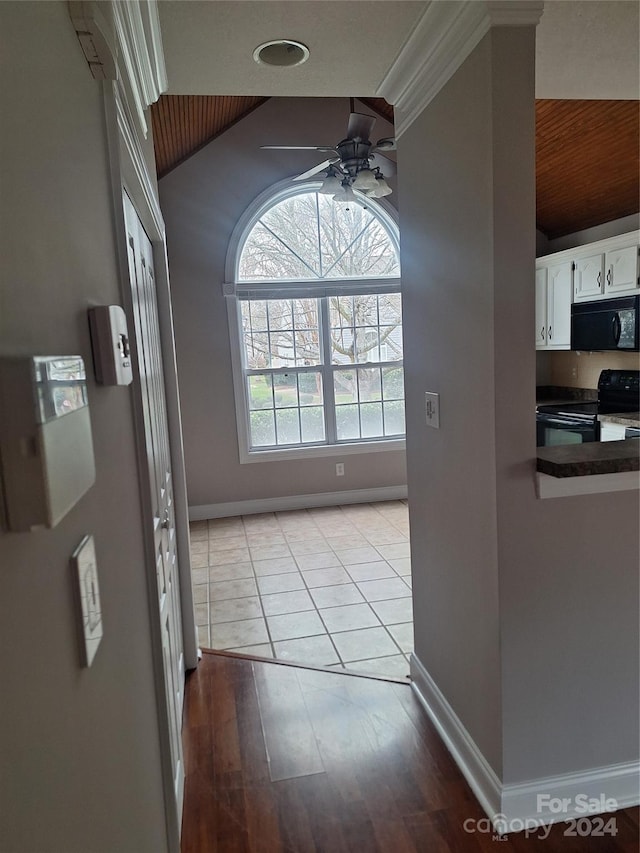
{"type": "Point", "coordinates": [318, 325]}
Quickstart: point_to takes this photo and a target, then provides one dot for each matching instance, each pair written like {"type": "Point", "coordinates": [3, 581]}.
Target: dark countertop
{"type": "Point", "coordinates": [552, 395]}
{"type": "Point", "coordinates": [628, 419]}
{"type": "Point", "coordinates": [594, 457]}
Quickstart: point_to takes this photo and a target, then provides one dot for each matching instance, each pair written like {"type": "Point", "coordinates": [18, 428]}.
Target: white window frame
{"type": "Point", "coordinates": [233, 289]}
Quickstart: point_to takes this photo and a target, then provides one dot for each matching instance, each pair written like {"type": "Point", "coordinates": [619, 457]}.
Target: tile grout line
{"type": "Point", "coordinates": [362, 532]}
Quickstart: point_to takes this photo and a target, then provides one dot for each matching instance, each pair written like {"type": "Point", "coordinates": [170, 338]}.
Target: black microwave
{"type": "Point", "coordinates": [606, 324]}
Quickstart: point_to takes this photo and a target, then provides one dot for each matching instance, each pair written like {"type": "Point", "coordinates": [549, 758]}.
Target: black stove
{"type": "Point", "coordinates": [577, 422]}
{"type": "Point", "coordinates": [578, 410]}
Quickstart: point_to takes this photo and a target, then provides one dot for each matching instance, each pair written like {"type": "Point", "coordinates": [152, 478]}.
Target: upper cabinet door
{"type": "Point", "coordinates": [541, 308]}
{"type": "Point", "coordinates": [559, 290]}
{"type": "Point", "coordinates": [588, 277]}
{"type": "Point", "coordinates": [622, 270]}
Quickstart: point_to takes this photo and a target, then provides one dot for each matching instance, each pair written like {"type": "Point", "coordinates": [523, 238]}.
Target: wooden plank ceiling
{"type": "Point", "coordinates": [587, 152]}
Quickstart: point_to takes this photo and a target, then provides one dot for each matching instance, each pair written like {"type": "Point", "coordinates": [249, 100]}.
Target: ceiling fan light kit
{"type": "Point", "coordinates": [332, 183]}
{"type": "Point", "coordinates": [351, 167]}
{"type": "Point", "coordinates": [365, 180]}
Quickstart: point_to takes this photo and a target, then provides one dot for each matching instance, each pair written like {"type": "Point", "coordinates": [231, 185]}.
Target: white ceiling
{"type": "Point", "coordinates": [589, 50]}
{"type": "Point", "coordinates": [584, 49]}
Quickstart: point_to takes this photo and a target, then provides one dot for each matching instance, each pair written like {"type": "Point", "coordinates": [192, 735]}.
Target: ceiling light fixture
{"type": "Point", "coordinates": [354, 164]}
{"type": "Point", "coordinates": [281, 53]}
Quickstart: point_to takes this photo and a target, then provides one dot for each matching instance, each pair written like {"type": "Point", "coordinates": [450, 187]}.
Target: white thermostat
{"type": "Point", "coordinates": [110, 342]}
{"type": "Point", "coordinates": [46, 448]}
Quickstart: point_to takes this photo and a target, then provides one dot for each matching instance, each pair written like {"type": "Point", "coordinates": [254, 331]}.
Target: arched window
{"type": "Point", "coordinates": [316, 324]}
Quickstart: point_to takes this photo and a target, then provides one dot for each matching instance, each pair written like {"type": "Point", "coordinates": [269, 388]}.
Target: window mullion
{"type": "Point", "coordinates": [327, 373]}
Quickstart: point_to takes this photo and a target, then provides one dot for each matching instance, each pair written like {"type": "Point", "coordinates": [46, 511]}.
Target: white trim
{"type": "Point", "coordinates": [481, 777]}
{"type": "Point", "coordinates": [96, 37]}
{"type": "Point", "coordinates": [591, 484]}
{"type": "Point", "coordinates": [517, 803]}
{"type": "Point", "coordinates": [440, 42]}
{"type": "Point", "coordinates": [316, 288]}
{"type": "Point", "coordinates": [320, 451]}
{"type": "Point", "coordinates": [290, 502]}
{"type": "Point", "coordinates": [141, 58]}
{"type": "Point", "coordinates": [619, 782]}
{"type": "Point", "coordinates": [131, 177]}
{"type": "Point", "coordinates": [130, 167]}
{"type": "Point", "coordinates": [233, 291]}
{"type": "Point", "coordinates": [141, 188]}
{"type": "Point", "coordinates": [280, 191]}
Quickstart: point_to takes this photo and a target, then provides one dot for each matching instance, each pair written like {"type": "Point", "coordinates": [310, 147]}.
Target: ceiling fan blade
{"type": "Point", "coordinates": [300, 147]}
{"type": "Point", "coordinates": [386, 165]}
{"type": "Point", "coordinates": [319, 168]}
{"type": "Point", "coordinates": [360, 125]}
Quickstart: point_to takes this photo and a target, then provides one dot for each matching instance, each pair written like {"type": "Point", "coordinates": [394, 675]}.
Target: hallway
{"type": "Point", "coordinates": [326, 587]}
{"type": "Point", "coordinates": [287, 760]}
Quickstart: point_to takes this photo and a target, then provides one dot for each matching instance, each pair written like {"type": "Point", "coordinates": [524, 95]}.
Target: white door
{"type": "Point", "coordinates": [151, 377]}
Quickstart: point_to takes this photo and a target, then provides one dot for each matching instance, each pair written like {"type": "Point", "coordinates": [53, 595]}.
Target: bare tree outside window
{"type": "Point", "coordinates": [303, 359]}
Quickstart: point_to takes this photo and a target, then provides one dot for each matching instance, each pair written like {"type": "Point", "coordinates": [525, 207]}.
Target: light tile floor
{"type": "Point", "coordinates": [327, 587]}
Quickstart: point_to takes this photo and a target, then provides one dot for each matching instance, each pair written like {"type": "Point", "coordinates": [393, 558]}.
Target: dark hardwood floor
{"type": "Point", "coordinates": [282, 758]}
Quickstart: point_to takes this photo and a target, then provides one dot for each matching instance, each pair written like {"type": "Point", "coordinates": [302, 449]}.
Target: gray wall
{"type": "Point", "coordinates": [591, 235]}
{"type": "Point", "coordinates": [202, 200]}
{"type": "Point", "coordinates": [80, 751]}
{"type": "Point", "coordinates": [445, 178]}
{"type": "Point", "coordinates": [526, 611]}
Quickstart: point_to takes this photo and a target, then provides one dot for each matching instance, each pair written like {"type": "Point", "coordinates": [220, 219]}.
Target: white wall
{"type": "Point", "coordinates": [202, 200]}
{"type": "Point", "coordinates": [526, 611]}
{"type": "Point", "coordinates": [80, 749]}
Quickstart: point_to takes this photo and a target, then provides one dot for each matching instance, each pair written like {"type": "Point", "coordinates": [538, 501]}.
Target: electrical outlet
{"type": "Point", "coordinates": [574, 372]}
{"type": "Point", "coordinates": [339, 469]}
{"type": "Point", "coordinates": [432, 409]}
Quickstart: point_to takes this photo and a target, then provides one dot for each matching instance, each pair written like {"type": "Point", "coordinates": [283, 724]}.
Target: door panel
{"type": "Point", "coordinates": [541, 308]}
{"type": "Point", "coordinates": [151, 378]}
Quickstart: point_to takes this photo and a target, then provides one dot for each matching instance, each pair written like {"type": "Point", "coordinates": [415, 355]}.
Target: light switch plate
{"type": "Point", "coordinates": [85, 571]}
{"type": "Point", "coordinates": [432, 409]}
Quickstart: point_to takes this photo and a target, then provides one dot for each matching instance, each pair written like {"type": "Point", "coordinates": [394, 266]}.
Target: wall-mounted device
{"type": "Point", "coordinates": [85, 571]}
{"type": "Point", "coordinates": [46, 449]}
{"type": "Point", "coordinates": [110, 342]}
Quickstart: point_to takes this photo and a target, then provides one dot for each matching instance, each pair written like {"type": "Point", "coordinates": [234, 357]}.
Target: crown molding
{"type": "Point", "coordinates": [95, 34]}
{"type": "Point", "coordinates": [122, 41]}
{"type": "Point", "coordinates": [442, 39]}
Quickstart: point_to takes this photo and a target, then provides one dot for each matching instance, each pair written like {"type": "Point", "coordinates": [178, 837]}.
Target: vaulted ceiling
{"type": "Point", "coordinates": [587, 151]}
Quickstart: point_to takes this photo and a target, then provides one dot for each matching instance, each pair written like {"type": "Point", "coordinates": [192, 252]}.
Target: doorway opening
{"type": "Point", "coordinates": [328, 586]}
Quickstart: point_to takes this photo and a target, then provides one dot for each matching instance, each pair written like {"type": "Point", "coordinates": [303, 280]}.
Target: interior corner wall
{"type": "Point", "coordinates": [80, 747]}
{"type": "Point", "coordinates": [446, 220]}
{"type": "Point", "coordinates": [202, 200]}
{"type": "Point", "coordinates": [526, 610]}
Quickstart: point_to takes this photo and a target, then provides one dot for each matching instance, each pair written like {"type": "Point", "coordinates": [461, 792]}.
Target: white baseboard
{"type": "Point", "coordinates": [290, 502]}
{"type": "Point", "coordinates": [515, 807]}
{"type": "Point", "coordinates": [617, 782]}
{"type": "Point", "coordinates": [481, 777]}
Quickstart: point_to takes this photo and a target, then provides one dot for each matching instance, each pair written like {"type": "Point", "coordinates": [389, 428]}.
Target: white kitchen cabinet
{"type": "Point", "coordinates": [554, 286]}
{"type": "Point", "coordinates": [588, 276]}
{"type": "Point", "coordinates": [606, 268]}
{"type": "Point", "coordinates": [621, 271]}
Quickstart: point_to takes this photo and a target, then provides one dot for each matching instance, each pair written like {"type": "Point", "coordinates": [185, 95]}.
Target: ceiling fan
{"type": "Point", "coordinates": [355, 162]}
